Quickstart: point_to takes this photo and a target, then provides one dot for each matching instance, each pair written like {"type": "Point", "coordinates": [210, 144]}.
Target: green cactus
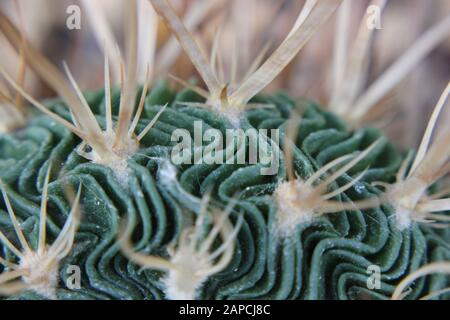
{"type": "Point", "coordinates": [146, 228]}
{"type": "Point", "coordinates": [324, 259]}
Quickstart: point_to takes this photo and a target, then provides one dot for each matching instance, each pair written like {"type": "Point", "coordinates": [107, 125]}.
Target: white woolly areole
{"type": "Point", "coordinates": [182, 283]}
{"type": "Point", "coordinates": [117, 158]}
{"type": "Point", "coordinates": [293, 209]}
{"type": "Point", "coordinates": [167, 172]}
{"type": "Point", "coordinates": [41, 273]}
{"type": "Point", "coordinates": [404, 197]}
{"type": "Point", "coordinates": [230, 111]}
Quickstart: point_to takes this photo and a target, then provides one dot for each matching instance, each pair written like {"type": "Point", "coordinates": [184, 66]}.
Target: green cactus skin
{"type": "Point", "coordinates": [325, 259]}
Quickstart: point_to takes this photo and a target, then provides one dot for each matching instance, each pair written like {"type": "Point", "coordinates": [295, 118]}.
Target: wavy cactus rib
{"type": "Point", "coordinates": [324, 259]}
{"type": "Point", "coordinates": [241, 254]}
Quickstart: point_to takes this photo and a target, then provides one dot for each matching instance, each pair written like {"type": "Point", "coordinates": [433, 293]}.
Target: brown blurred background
{"type": "Point", "coordinates": [250, 25]}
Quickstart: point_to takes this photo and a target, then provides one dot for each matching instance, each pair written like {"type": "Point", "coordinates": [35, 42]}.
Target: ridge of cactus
{"type": "Point", "coordinates": [326, 258]}
{"type": "Point", "coordinates": [330, 199]}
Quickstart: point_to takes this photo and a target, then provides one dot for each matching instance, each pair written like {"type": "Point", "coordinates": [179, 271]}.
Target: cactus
{"type": "Point", "coordinates": [344, 198]}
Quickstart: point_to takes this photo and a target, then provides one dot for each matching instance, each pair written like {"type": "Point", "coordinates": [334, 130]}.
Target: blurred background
{"type": "Point", "coordinates": [250, 26]}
